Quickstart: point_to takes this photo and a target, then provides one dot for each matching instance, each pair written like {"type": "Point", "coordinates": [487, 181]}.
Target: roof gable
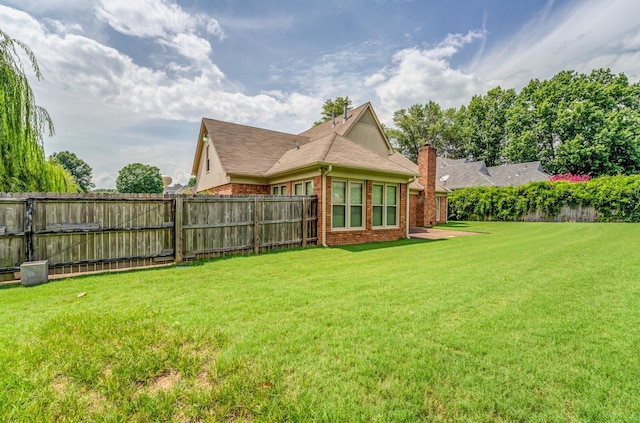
{"type": "Point", "coordinates": [361, 126]}
{"type": "Point", "coordinates": [337, 150]}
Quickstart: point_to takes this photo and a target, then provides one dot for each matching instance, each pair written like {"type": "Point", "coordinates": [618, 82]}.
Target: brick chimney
{"type": "Point", "coordinates": [427, 169]}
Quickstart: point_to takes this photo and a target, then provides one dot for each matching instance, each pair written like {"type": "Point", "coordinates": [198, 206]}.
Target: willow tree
{"type": "Point", "coordinates": [23, 166]}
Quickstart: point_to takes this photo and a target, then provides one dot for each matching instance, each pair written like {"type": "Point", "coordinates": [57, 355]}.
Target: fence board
{"type": "Point", "coordinates": [567, 214]}
{"type": "Point", "coordinates": [89, 232]}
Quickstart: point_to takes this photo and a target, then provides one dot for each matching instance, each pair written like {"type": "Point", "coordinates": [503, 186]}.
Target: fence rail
{"type": "Point", "coordinates": [79, 233]}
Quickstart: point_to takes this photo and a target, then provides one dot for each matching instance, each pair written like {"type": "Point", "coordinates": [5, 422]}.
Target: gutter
{"type": "Point", "coordinates": [324, 204]}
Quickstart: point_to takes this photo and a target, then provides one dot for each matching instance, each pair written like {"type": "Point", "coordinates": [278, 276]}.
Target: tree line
{"type": "Point", "coordinates": [586, 124]}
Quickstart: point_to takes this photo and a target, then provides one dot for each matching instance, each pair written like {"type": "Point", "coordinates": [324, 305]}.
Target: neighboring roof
{"type": "Point", "coordinates": [176, 189]}
{"type": "Point", "coordinates": [463, 173]}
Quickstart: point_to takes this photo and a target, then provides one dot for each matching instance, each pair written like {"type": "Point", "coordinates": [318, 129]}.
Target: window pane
{"type": "Point", "coordinates": [298, 189]}
{"type": "Point", "coordinates": [356, 216]}
{"type": "Point", "coordinates": [309, 188]}
{"type": "Point", "coordinates": [377, 215]}
{"type": "Point", "coordinates": [356, 193]}
{"type": "Point", "coordinates": [283, 190]}
{"type": "Point", "coordinates": [391, 194]}
{"type": "Point", "coordinates": [337, 216]}
{"type": "Point", "coordinates": [276, 190]}
{"type": "Point", "coordinates": [338, 191]}
{"type": "Point", "coordinates": [391, 216]}
{"type": "Point", "coordinates": [377, 194]}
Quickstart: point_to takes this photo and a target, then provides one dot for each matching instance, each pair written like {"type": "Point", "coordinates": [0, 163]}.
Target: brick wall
{"type": "Point", "coordinates": [240, 189]}
{"type": "Point", "coordinates": [339, 236]}
{"type": "Point", "coordinates": [427, 169]}
{"type": "Point", "coordinates": [416, 210]}
{"type": "Point", "coordinates": [367, 234]}
{"type": "Point", "coordinates": [443, 209]}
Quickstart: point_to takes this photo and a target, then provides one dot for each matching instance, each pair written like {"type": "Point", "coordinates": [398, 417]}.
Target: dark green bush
{"type": "Point", "coordinates": [616, 198]}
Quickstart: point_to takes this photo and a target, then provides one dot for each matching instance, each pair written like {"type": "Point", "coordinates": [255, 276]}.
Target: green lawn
{"type": "Point", "coordinates": [528, 322]}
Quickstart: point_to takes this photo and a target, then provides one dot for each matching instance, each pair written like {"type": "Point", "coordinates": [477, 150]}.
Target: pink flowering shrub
{"type": "Point", "coordinates": [569, 177]}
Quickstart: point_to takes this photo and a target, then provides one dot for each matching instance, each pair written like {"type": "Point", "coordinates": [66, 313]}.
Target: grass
{"type": "Point", "coordinates": [528, 322]}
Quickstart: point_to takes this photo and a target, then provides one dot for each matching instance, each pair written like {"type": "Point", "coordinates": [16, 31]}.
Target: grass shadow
{"type": "Point", "coordinates": [453, 225]}
{"type": "Point", "coordinates": [356, 248]}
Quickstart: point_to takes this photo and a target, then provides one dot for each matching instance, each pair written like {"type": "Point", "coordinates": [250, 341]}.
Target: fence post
{"type": "Point", "coordinates": [177, 229]}
{"type": "Point", "coordinates": [256, 227]}
{"type": "Point", "coordinates": [29, 232]}
{"type": "Point", "coordinates": [304, 222]}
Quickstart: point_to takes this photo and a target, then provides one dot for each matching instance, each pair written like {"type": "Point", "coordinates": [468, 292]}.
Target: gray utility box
{"type": "Point", "coordinates": [34, 273]}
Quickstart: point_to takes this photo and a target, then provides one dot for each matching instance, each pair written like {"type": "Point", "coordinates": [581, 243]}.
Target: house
{"type": "Point", "coordinates": [463, 173]}
{"type": "Point", "coordinates": [177, 189]}
{"type": "Point", "coordinates": [366, 190]}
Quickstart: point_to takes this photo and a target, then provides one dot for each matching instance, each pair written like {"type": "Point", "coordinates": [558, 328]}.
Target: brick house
{"type": "Point", "coordinates": [366, 190]}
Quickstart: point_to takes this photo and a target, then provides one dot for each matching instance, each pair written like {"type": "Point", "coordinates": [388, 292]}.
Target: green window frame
{"type": "Point", "coordinates": [279, 190]}
{"type": "Point", "coordinates": [303, 188]}
{"type": "Point", "coordinates": [384, 205]}
{"type": "Point", "coordinates": [347, 204]}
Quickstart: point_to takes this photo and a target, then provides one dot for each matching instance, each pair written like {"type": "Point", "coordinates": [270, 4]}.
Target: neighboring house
{"type": "Point", "coordinates": [366, 190]}
{"type": "Point", "coordinates": [177, 189]}
{"type": "Point", "coordinates": [463, 173]}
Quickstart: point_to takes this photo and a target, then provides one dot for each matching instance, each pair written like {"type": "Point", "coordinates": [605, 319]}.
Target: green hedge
{"type": "Point", "coordinates": [616, 198]}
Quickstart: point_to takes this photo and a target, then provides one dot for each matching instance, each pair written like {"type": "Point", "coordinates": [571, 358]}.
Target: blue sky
{"type": "Point", "coordinates": [129, 80]}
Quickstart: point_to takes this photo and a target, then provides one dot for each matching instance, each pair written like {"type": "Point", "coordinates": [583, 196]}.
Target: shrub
{"type": "Point", "coordinates": [615, 198]}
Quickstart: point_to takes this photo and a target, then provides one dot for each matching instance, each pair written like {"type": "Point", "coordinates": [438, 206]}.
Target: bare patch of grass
{"type": "Point", "coordinates": [165, 382]}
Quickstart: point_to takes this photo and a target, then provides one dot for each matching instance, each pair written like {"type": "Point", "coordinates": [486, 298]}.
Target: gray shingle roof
{"type": "Point", "coordinates": [463, 173]}
{"type": "Point", "coordinates": [246, 150]}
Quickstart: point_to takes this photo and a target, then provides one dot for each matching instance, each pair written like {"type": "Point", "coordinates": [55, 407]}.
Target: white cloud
{"type": "Point", "coordinates": [581, 36]}
{"type": "Point", "coordinates": [145, 18]}
{"type": "Point", "coordinates": [190, 46]}
{"type": "Point", "coordinates": [113, 105]}
{"type": "Point", "coordinates": [154, 19]}
{"type": "Point", "coordinates": [418, 75]}
{"type": "Point", "coordinates": [62, 28]}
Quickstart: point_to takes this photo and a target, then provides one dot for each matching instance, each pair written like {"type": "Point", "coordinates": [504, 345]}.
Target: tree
{"type": "Point", "coordinates": [578, 123]}
{"type": "Point", "coordinates": [484, 125]}
{"type": "Point", "coordinates": [77, 167]}
{"type": "Point", "coordinates": [333, 108]}
{"type": "Point", "coordinates": [139, 178]}
{"type": "Point", "coordinates": [23, 166]}
{"type": "Point", "coordinates": [192, 182]}
{"type": "Point", "coordinates": [420, 124]}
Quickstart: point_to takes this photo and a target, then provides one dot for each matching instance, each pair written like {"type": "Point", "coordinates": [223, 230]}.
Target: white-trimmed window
{"type": "Point", "coordinates": [279, 190]}
{"type": "Point", "coordinates": [347, 204]}
{"type": "Point", "coordinates": [208, 160]}
{"type": "Point", "coordinates": [384, 205]}
{"type": "Point", "coordinates": [303, 188]}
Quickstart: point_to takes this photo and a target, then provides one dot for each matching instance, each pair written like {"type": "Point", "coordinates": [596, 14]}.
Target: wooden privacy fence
{"type": "Point", "coordinates": [93, 232]}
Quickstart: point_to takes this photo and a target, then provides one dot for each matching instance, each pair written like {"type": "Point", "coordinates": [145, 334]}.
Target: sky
{"type": "Point", "coordinates": [129, 81]}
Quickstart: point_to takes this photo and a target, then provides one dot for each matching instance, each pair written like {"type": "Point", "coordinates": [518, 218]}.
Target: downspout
{"type": "Point", "coordinates": [446, 209]}
{"type": "Point", "coordinates": [406, 218]}
{"type": "Point", "coordinates": [324, 205]}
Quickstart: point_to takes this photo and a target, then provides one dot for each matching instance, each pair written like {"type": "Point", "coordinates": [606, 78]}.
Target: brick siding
{"type": "Point", "coordinates": [368, 233]}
